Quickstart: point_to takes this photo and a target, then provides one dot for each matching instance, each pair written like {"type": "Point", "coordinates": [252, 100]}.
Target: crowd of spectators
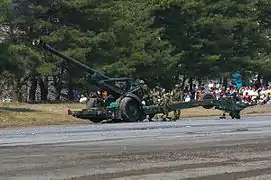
{"type": "Point", "coordinates": [247, 94]}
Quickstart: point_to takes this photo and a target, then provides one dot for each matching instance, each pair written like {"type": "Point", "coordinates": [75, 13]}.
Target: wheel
{"type": "Point", "coordinates": [130, 110]}
{"type": "Point", "coordinates": [208, 96]}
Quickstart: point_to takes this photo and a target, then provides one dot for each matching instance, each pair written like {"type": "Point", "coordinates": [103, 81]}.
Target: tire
{"type": "Point", "coordinates": [130, 110]}
{"type": "Point", "coordinates": [208, 96]}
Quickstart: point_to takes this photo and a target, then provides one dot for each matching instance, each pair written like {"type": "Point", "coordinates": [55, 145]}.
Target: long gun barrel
{"type": "Point", "coordinates": [103, 81]}
{"type": "Point", "coordinates": [69, 59]}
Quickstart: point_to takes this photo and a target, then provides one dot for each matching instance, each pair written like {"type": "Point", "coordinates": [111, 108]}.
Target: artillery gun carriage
{"type": "Point", "coordinates": [125, 103]}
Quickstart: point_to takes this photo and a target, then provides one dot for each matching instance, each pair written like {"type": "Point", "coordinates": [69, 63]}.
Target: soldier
{"type": "Point", "coordinates": [146, 96]}
{"type": "Point", "coordinates": [177, 96]}
{"type": "Point", "coordinates": [155, 97]}
{"type": "Point", "coordinates": [144, 86]}
{"type": "Point", "coordinates": [165, 103]}
{"type": "Point", "coordinates": [146, 93]}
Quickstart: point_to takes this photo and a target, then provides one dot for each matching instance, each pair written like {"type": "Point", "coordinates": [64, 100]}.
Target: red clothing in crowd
{"type": "Point", "coordinates": [247, 98]}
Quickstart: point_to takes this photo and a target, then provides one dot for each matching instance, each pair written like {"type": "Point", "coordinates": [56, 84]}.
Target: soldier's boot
{"type": "Point", "coordinates": [178, 114]}
{"type": "Point", "coordinates": [165, 117]}
{"type": "Point", "coordinates": [175, 115]}
{"type": "Point", "coordinates": [223, 116]}
{"type": "Point", "coordinates": [149, 118]}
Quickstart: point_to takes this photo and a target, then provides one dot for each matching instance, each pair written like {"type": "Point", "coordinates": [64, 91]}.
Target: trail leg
{"type": "Point", "coordinates": [235, 114]}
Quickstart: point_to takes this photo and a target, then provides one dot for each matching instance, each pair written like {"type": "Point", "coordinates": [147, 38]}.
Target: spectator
{"type": "Point", "coordinates": [75, 95]}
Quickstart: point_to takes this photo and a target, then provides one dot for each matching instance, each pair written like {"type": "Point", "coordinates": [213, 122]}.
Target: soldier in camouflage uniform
{"type": "Point", "coordinates": [155, 97]}
{"type": "Point", "coordinates": [147, 96]}
{"type": "Point", "coordinates": [177, 96]}
{"type": "Point", "coordinates": [164, 103]}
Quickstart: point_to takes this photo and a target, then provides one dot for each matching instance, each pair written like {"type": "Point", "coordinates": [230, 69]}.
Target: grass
{"type": "Point", "coordinates": [16, 114]}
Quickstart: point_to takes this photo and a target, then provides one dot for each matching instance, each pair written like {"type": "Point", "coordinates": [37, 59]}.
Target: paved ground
{"type": "Point", "coordinates": [197, 149]}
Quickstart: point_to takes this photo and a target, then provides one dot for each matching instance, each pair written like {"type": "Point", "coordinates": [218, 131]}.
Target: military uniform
{"type": "Point", "coordinates": [147, 96]}
{"type": "Point", "coordinates": [177, 96]}
{"type": "Point", "coordinates": [155, 98]}
{"type": "Point", "coordinates": [164, 103]}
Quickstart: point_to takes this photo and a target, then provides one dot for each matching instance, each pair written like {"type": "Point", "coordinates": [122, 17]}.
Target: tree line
{"type": "Point", "coordinates": [154, 40]}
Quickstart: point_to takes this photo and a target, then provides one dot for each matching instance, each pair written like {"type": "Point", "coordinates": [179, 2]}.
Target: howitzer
{"type": "Point", "coordinates": [208, 101]}
{"type": "Point", "coordinates": [127, 101]}
{"type": "Point", "coordinates": [129, 98]}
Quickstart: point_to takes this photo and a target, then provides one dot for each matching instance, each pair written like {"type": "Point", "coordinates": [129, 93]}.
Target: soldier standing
{"type": "Point", "coordinates": [165, 103]}
{"type": "Point", "coordinates": [146, 93]}
{"type": "Point", "coordinates": [155, 97]}
{"type": "Point", "coordinates": [177, 96]}
{"type": "Point", "coordinates": [146, 96]}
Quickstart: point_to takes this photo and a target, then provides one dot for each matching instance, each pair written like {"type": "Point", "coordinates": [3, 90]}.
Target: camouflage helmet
{"type": "Point", "coordinates": [141, 81]}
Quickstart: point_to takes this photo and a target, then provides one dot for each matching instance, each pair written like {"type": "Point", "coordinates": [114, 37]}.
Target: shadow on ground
{"type": "Point", "coordinates": [14, 109]}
